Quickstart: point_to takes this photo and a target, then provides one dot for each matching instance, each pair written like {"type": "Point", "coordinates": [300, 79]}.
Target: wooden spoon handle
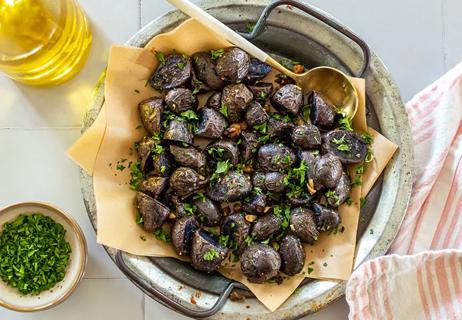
{"type": "Point", "coordinates": [206, 19]}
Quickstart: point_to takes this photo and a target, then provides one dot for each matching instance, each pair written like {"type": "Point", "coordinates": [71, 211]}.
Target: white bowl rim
{"type": "Point", "coordinates": [83, 250]}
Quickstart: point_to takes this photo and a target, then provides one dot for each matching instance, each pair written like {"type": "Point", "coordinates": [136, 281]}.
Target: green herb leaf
{"type": "Point", "coordinates": [189, 209]}
{"type": "Point", "coordinates": [222, 168]}
{"type": "Point", "coordinates": [217, 53]}
{"type": "Point", "coordinates": [366, 136]}
{"type": "Point", "coordinates": [136, 175]}
{"type": "Point", "coordinates": [200, 195]}
{"type": "Point", "coordinates": [248, 240]}
{"type": "Point", "coordinates": [211, 254]}
{"type": "Point", "coordinates": [160, 56]}
{"type": "Point", "coordinates": [263, 95]}
{"type": "Point", "coordinates": [331, 194]}
{"type": "Point", "coordinates": [362, 202]}
{"type": "Point", "coordinates": [224, 110]}
{"type": "Point", "coordinates": [217, 150]}
{"type": "Point", "coordinates": [181, 65]}
{"type": "Point", "coordinates": [189, 115]}
{"type": "Point", "coordinates": [349, 201]}
{"type": "Point", "coordinates": [162, 235]}
{"type": "Point", "coordinates": [223, 240]}
{"type": "Point", "coordinates": [34, 254]}
{"type": "Point", "coordinates": [139, 217]}
{"type": "Point", "coordinates": [261, 128]}
{"type": "Point", "coordinates": [157, 149]}
{"type": "Point", "coordinates": [283, 212]}
{"type": "Point", "coordinates": [356, 181]}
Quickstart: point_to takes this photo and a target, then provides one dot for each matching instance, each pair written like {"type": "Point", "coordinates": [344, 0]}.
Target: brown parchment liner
{"type": "Point", "coordinates": [113, 133]}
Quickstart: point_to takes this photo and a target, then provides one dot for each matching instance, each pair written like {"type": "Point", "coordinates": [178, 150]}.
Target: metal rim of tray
{"type": "Point", "coordinates": [392, 121]}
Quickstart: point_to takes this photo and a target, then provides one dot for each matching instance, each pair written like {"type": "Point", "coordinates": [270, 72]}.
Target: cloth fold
{"type": "Point", "coordinates": [426, 284]}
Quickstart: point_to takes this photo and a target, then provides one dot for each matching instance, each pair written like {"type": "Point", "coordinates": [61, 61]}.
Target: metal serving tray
{"type": "Point", "coordinates": [303, 33]}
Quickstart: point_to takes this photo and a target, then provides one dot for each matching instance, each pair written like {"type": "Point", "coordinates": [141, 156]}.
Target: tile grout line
{"type": "Point", "coordinates": [143, 307]}
{"type": "Point", "coordinates": [139, 13]}
{"type": "Point", "coordinates": [443, 35]}
{"type": "Point", "coordinates": [42, 128]}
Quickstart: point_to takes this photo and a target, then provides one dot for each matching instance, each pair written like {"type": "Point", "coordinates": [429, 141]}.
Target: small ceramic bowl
{"type": "Point", "coordinates": [10, 297]}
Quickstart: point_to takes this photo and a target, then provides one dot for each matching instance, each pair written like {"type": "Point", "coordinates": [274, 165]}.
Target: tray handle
{"type": "Point", "coordinates": [160, 296]}
{"type": "Point", "coordinates": [259, 26]}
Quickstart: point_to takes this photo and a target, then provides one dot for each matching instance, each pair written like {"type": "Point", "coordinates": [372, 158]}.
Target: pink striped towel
{"type": "Point", "coordinates": [425, 284]}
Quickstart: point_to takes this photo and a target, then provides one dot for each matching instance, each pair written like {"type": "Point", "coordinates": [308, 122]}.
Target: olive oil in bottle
{"type": "Point", "coordinates": [42, 42]}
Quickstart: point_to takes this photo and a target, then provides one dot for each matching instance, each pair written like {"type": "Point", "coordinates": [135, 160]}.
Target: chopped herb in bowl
{"type": "Point", "coordinates": [34, 254]}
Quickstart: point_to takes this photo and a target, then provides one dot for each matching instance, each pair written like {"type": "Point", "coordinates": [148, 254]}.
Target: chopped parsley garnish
{"type": "Point", "coordinates": [356, 181]}
{"type": "Point", "coordinates": [371, 231]}
{"type": "Point", "coordinates": [223, 110]}
{"type": "Point", "coordinates": [215, 54]}
{"type": "Point", "coordinates": [261, 128]}
{"type": "Point", "coordinates": [160, 56]}
{"type": "Point", "coordinates": [162, 235]}
{"type": "Point", "coordinates": [248, 240]}
{"type": "Point", "coordinates": [263, 95]}
{"type": "Point", "coordinates": [120, 167]}
{"type": "Point", "coordinates": [349, 201]}
{"type": "Point", "coordinates": [360, 169]}
{"type": "Point", "coordinates": [34, 253]}
{"type": "Point", "coordinates": [362, 202]}
{"type": "Point", "coordinates": [199, 195]}
{"type": "Point", "coordinates": [189, 209]}
{"type": "Point", "coordinates": [283, 212]}
{"type": "Point", "coordinates": [344, 121]}
{"type": "Point", "coordinates": [211, 254]}
{"type": "Point", "coordinates": [222, 168]}
{"type": "Point", "coordinates": [331, 194]}
{"type": "Point", "coordinates": [143, 238]}
{"type": "Point", "coordinates": [223, 240]}
{"type": "Point", "coordinates": [181, 65]}
{"type": "Point", "coordinates": [136, 175]}
{"type": "Point", "coordinates": [341, 145]}
{"type": "Point", "coordinates": [217, 150]}
{"type": "Point", "coordinates": [264, 138]}
{"type": "Point", "coordinates": [139, 217]}
{"type": "Point", "coordinates": [163, 168]}
{"type": "Point", "coordinates": [266, 241]}
{"type": "Point", "coordinates": [157, 149]}
{"type": "Point", "coordinates": [369, 155]}
{"type": "Point", "coordinates": [310, 269]}
{"type": "Point", "coordinates": [189, 115]}
{"type": "Point", "coordinates": [366, 136]}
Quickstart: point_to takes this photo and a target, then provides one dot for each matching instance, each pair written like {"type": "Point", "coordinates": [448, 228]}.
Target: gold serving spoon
{"type": "Point", "coordinates": [332, 84]}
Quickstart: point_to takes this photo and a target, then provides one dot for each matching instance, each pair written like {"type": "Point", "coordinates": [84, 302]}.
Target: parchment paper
{"type": "Point", "coordinates": [111, 138]}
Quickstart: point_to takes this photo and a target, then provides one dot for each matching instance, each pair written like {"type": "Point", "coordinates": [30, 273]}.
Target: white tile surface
{"type": "Point", "coordinates": [416, 40]}
{"type": "Point", "coordinates": [65, 105]}
{"type": "Point", "coordinates": [337, 311]}
{"type": "Point", "coordinates": [452, 35]}
{"type": "Point", "coordinates": [407, 35]}
{"type": "Point", "coordinates": [94, 299]}
{"type": "Point", "coordinates": [34, 167]}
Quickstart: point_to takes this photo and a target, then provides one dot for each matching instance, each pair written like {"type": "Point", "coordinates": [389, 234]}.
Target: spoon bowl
{"type": "Point", "coordinates": [332, 84]}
